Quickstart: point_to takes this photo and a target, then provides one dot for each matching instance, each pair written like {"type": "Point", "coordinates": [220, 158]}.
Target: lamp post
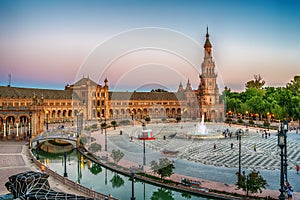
{"type": "Point", "coordinates": [65, 165]}
{"type": "Point", "coordinates": [30, 130]}
{"type": "Point", "coordinates": [132, 185]}
{"type": "Point", "coordinates": [281, 144]}
{"type": "Point", "coordinates": [47, 115]}
{"type": "Point", "coordinates": [239, 136]}
{"type": "Point", "coordinates": [285, 130]}
{"type": "Point", "coordinates": [144, 158]}
{"type": "Point", "coordinates": [105, 147]}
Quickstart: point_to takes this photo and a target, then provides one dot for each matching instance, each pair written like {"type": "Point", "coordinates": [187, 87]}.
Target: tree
{"type": "Point", "coordinates": [158, 90]}
{"type": "Point", "coordinates": [294, 85]}
{"type": "Point", "coordinates": [253, 182]}
{"type": "Point", "coordinates": [103, 126]}
{"type": "Point", "coordinates": [95, 147]}
{"type": "Point", "coordinates": [147, 119]}
{"type": "Point", "coordinates": [117, 155]}
{"type": "Point", "coordinates": [164, 167]}
{"type": "Point", "coordinates": [114, 124]}
{"type": "Point", "coordinates": [257, 83]}
{"type": "Point", "coordinates": [83, 140]}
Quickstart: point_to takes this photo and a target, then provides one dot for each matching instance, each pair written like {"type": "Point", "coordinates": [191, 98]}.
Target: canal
{"type": "Point", "coordinates": [103, 180]}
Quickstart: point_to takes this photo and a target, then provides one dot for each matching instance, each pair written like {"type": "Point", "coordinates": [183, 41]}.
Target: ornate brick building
{"type": "Point", "coordinates": [25, 109]}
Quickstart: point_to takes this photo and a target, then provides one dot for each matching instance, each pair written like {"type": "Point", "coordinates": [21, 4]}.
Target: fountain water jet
{"type": "Point", "coordinates": [206, 132]}
{"type": "Point", "coordinates": [201, 129]}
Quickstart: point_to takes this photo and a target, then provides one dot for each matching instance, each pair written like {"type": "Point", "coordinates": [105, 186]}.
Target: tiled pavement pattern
{"type": "Point", "coordinates": [266, 155]}
{"type": "Point", "coordinates": [11, 162]}
{"type": "Point", "coordinates": [14, 159]}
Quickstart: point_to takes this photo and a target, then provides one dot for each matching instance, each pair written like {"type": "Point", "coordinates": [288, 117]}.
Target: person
{"type": "Point", "coordinates": [231, 145]}
{"type": "Point", "coordinates": [289, 191]}
{"type": "Point", "coordinates": [254, 147]}
{"type": "Point", "coordinates": [297, 168]}
{"type": "Point", "coordinates": [215, 146]}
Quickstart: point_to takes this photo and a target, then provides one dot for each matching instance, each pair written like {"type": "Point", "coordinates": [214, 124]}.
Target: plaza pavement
{"type": "Point", "coordinates": [14, 159]}
{"type": "Point", "coordinates": [198, 160]}
{"type": "Point", "coordinates": [217, 172]}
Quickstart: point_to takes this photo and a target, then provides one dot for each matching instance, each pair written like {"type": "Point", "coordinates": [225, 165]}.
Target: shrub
{"type": "Point", "coordinates": [266, 123]}
{"type": "Point", "coordinates": [94, 126]}
{"type": "Point", "coordinates": [147, 119]}
{"type": "Point", "coordinates": [240, 121]}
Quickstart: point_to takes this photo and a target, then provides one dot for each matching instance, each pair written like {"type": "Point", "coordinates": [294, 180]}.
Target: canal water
{"type": "Point", "coordinates": [105, 181]}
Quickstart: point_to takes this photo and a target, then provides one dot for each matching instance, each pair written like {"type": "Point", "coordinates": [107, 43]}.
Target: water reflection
{"type": "Point", "coordinates": [117, 181]}
{"type": "Point", "coordinates": [162, 193]}
{"type": "Point", "coordinates": [95, 169]}
{"type": "Point", "coordinates": [94, 176]}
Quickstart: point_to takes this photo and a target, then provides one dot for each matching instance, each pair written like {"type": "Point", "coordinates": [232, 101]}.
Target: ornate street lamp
{"type": "Point", "coordinates": [281, 144]}
{"type": "Point", "coordinates": [30, 129]}
{"type": "Point", "coordinates": [285, 130]}
{"type": "Point", "coordinates": [65, 165]}
{"type": "Point", "coordinates": [146, 135]}
{"type": "Point", "coordinates": [105, 147]}
{"type": "Point", "coordinates": [132, 185]}
{"type": "Point", "coordinates": [239, 133]}
{"type": "Point", "coordinates": [47, 116]}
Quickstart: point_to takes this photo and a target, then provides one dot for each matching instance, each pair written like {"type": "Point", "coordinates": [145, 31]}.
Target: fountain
{"type": "Point", "coordinates": [200, 128]}
{"type": "Point", "coordinates": [206, 132]}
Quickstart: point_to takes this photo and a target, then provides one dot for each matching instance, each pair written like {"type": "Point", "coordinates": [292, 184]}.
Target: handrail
{"type": "Point", "coordinates": [76, 186]}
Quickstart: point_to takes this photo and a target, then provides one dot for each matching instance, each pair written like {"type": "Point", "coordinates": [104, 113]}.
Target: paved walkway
{"type": "Point", "coordinates": [14, 159]}
{"type": "Point", "coordinates": [198, 160]}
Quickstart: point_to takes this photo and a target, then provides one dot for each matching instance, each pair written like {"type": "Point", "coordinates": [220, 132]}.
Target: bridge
{"type": "Point", "coordinates": [69, 136]}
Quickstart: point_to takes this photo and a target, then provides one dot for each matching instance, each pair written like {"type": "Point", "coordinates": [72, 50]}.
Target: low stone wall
{"type": "Point", "coordinates": [80, 188]}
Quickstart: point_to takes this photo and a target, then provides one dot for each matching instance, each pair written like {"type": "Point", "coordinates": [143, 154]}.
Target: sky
{"type": "Point", "coordinates": [143, 44]}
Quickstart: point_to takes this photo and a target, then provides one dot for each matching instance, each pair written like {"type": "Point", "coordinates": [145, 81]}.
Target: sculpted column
{"type": "Point", "coordinates": [17, 136]}
{"type": "Point", "coordinates": [4, 131]}
{"type": "Point", "coordinates": [8, 135]}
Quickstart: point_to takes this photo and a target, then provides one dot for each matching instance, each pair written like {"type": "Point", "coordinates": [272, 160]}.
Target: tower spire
{"type": "Point", "coordinates": [207, 35]}
{"type": "Point", "coordinates": [207, 44]}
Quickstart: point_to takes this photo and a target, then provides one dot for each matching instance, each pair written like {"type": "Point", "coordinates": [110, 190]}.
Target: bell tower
{"type": "Point", "coordinates": [208, 91]}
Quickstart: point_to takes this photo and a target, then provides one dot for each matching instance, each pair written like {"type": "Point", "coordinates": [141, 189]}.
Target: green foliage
{"type": "Point", "coordinates": [162, 193]}
{"type": "Point", "coordinates": [95, 169]}
{"type": "Point", "coordinates": [94, 126]}
{"type": "Point", "coordinates": [266, 123]}
{"type": "Point", "coordinates": [103, 125]}
{"type": "Point", "coordinates": [228, 120]}
{"type": "Point", "coordinates": [117, 181]}
{"type": "Point", "coordinates": [281, 102]}
{"type": "Point", "coordinates": [83, 140]}
{"type": "Point", "coordinates": [147, 119]}
{"type": "Point", "coordinates": [253, 182]}
{"type": "Point", "coordinates": [164, 167]}
{"type": "Point", "coordinates": [257, 83]}
{"type": "Point", "coordinates": [178, 119]}
{"type": "Point", "coordinates": [186, 195]}
{"type": "Point", "coordinates": [114, 124]}
{"type": "Point", "coordinates": [163, 119]}
{"type": "Point", "coordinates": [95, 147]}
{"type": "Point", "coordinates": [251, 122]}
{"type": "Point", "coordinates": [240, 121]}
{"type": "Point", "coordinates": [158, 90]}
{"type": "Point", "coordinates": [116, 155]}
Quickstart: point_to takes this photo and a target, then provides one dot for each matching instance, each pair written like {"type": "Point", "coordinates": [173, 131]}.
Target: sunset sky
{"type": "Point", "coordinates": [140, 44]}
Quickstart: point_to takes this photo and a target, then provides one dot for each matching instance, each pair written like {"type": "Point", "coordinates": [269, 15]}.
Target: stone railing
{"type": "Point", "coordinates": [74, 185]}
